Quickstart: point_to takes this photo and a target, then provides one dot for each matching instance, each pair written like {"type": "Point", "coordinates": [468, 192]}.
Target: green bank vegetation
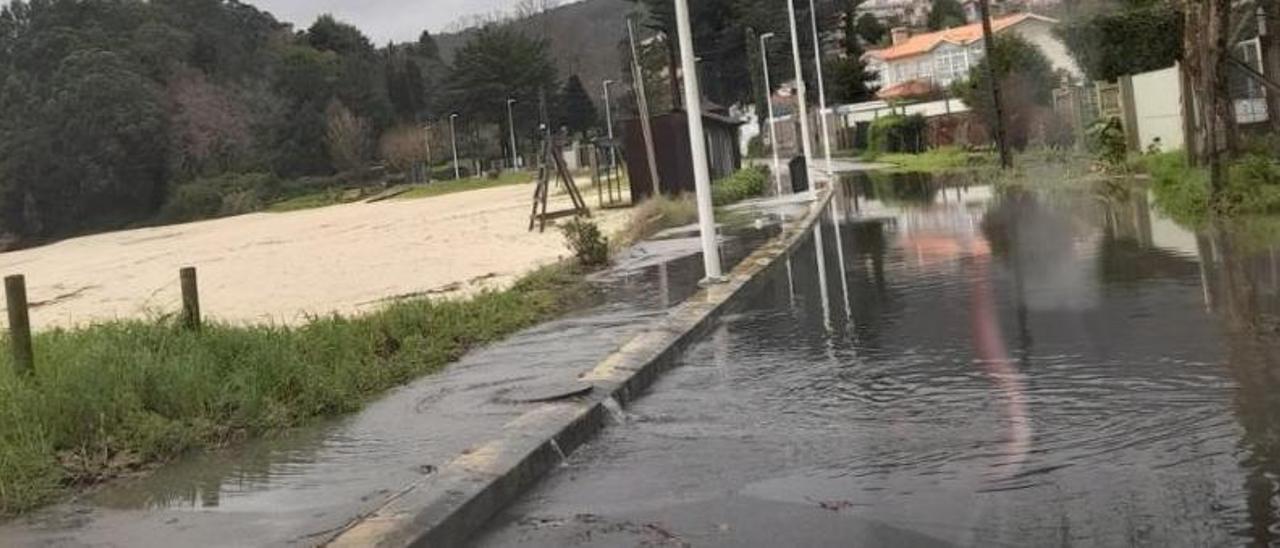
{"type": "Point", "coordinates": [121, 396]}
{"type": "Point", "coordinates": [1184, 192]}
{"type": "Point", "coordinates": [938, 160]}
{"type": "Point", "coordinates": [659, 213]}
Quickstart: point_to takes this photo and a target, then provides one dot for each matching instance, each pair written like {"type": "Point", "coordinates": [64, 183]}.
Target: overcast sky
{"type": "Point", "coordinates": [383, 20]}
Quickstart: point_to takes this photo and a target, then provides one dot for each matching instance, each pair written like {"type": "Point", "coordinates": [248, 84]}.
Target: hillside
{"type": "Point", "coordinates": [584, 38]}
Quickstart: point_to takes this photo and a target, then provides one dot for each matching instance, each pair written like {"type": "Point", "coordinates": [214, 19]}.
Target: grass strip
{"type": "Point", "coordinates": [121, 396]}
{"type": "Point", "coordinates": [937, 160]}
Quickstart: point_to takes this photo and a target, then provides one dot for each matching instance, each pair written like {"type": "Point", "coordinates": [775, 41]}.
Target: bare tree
{"type": "Point", "coordinates": [346, 135]}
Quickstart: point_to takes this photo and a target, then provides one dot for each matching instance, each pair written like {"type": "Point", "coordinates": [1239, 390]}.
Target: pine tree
{"type": "Point", "coordinates": [577, 113]}
{"type": "Point", "coordinates": [849, 83]}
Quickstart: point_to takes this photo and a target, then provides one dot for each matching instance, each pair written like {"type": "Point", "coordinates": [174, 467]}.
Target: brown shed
{"type": "Point", "coordinates": [671, 146]}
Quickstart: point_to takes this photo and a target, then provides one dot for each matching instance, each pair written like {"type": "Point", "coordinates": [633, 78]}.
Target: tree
{"type": "Point", "coordinates": [578, 113]}
{"type": "Point", "coordinates": [346, 136]}
{"type": "Point", "coordinates": [406, 87]}
{"type": "Point", "coordinates": [1132, 40]}
{"type": "Point", "coordinates": [1207, 50]}
{"type": "Point", "coordinates": [499, 63]}
{"type": "Point", "coordinates": [720, 37]}
{"type": "Point", "coordinates": [427, 46]}
{"type": "Point", "coordinates": [93, 149]}
{"type": "Point", "coordinates": [945, 14]}
{"type": "Point", "coordinates": [871, 29]}
{"type": "Point", "coordinates": [328, 34]}
{"type": "Point", "coordinates": [850, 77]}
{"type": "Point", "coordinates": [1026, 79]}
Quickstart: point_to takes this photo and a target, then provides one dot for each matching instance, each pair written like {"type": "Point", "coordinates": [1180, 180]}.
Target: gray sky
{"type": "Point", "coordinates": [383, 20]}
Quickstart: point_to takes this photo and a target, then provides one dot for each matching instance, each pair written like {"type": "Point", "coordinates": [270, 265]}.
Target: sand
{"type": "Point", "coordinates": [285, 267]}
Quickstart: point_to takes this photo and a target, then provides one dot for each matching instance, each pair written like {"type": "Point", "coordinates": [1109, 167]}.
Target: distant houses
{"type": "Point", "coordinates": [915, 65]}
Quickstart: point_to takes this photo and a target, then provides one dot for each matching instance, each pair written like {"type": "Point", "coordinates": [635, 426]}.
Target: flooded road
{"type": "Point", "coordinates": [981, 367]}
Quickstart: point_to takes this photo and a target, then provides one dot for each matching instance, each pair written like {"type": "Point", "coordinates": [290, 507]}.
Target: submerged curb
{"type": "Point", "coordinates": [447, 508]}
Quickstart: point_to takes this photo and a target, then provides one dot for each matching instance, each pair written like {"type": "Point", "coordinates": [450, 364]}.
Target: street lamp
{"type": "Point", "coordinates": [801, 92]}
{"type": "Point", "coordinates": [453, 136]}
{"type": "Point", "coordinates": [768, 99]}
{"type": "Point", "coordinates": [511, 125]}
{"type": "Point", "coordinates": [822, 88]}
{"type": "Point", "coordinates": [698, 146]}
{"type": "Point", "coordinates": [608, 116]}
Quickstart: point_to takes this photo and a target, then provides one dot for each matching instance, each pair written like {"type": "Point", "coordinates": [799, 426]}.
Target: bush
{"type": "Point", "coordinates": [896, 133]}
{"type": "Point", "coordinates": [745, 184]}
{"type": "Point", "coordinates": [587, 243]}
{"type": "Point", "coordinates": [221, 196]}
{"type": "Point", "coordinates": [1106, 140]}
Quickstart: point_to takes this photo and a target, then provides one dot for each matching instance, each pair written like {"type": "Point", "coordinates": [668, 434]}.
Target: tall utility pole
{"type": "Point", "coordinates": [988, 41]}
{"type": "Point", "coordinates": [801, 93]}
{"type": "Point", "coordinates": [822, 89]}
{"type": "Point", "coordinates": [453, 136]}
{"type": "Point", "coordinates": [698, 145]}
{"type": "Point", "coordinates": [511, 126]}
{"type": "Point", "coordinates": [642, 103]}
{"type": "Point", "coordinates": [768, 100]}
{"type": "Point", "coordinates": [608, 119]}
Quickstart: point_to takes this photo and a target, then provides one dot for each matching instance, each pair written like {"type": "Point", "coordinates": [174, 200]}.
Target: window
{"type": "Point", "coordinates": [950, 65]}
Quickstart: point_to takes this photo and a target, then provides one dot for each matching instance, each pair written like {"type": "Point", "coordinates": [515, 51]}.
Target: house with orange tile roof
{"type": "Point", "coordinates": [916, 64]}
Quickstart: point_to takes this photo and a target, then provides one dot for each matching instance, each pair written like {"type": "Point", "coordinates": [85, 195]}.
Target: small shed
{"type": "Point", "coordinates": [671, 146]}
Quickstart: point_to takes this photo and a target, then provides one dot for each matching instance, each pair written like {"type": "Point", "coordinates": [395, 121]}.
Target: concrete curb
{"type": "Point", "coordinates": [447, 508]}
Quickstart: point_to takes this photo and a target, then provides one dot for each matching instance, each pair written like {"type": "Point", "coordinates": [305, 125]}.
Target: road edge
{"type": "Point", "coordinates": [447, 508]}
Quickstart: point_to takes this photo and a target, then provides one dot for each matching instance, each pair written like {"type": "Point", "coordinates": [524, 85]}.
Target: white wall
{"type": "Point", "coordinates": [1158, 107]}
{"type": "Point", "coordinates": [866, 112]}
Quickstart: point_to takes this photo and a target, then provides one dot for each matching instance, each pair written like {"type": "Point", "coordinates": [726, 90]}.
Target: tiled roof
{"type": "Point", "coordinates": [963, 36]}
{"type": "Point", "coordinates": [907, 90]}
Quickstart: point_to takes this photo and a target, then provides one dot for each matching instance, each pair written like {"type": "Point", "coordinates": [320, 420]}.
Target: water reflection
{"type": "Point", "coordinates": [1053, 263]}
{"type": "Point", "coordinates": [1017, 368]}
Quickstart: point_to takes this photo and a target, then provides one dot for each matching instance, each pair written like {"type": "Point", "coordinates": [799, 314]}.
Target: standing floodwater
{"type": "Point", "coordinates": [1007, 367]}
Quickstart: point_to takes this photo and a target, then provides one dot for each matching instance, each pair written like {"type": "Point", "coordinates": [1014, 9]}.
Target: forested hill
{"type": "Point", "coordinates": [583, 37]}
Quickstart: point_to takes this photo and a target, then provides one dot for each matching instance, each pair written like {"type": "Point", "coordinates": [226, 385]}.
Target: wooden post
{"type": "Point", "coordinates": [190, 299]}
{"type": "Point", "coordinates": [15, 290]}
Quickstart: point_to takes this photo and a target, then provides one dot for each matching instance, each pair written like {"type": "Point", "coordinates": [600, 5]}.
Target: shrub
{"type": "Point", "coordinates": [589, 246]}
{"type": "Point", "coordinates": [656, 214]}
{"type": "Point", "coordinates": [897, 133]}
{"type": "Point", "coordinates": [745, 184]}
{"type": "Point", "coordinates": [1106, 140]}
{"type": "Point", "coordinates": [221, 196]}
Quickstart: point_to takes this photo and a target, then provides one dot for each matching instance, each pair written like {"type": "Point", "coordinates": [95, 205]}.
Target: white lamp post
{"type": "Point", "coordinates": [768, 100]}
{"type": "Point", "coordinates": [801, 92]}
{"type": "Point", "coordinates": [698, 145]}
{"type": "Point", "coordinates": [511, 125]}
{"type": "Point", "coordinates": [608, 117]}
{"type": "Point", "coordinates": [453, 136]}
{"type": "Point", "coordinates": [822, 89]}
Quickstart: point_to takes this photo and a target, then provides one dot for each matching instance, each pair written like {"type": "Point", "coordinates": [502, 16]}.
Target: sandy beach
{"type": "Point", "coordinates": [285, 267]}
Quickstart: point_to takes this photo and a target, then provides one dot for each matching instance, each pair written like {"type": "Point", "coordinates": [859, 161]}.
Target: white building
{"type": "Point", "coordinates": [916, 63]}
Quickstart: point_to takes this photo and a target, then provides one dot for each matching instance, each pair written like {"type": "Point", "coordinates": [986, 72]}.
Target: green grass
{"type": "Point", "coordinates": [1253, 187]}
{"type": "Point", "coordinates": [934, 161]}
{"type": "Point", "coordinates": [441, 188]}
{"type": "Point", "coordinates": [307, 201]}
{"type": "Point", "coordinates": [122, 395]}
